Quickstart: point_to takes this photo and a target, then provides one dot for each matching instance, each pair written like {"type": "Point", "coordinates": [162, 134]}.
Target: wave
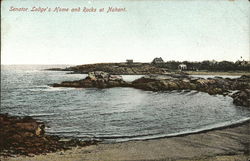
{"type": "Point", "coordinates": [49, 89]}
{"type": "Point", "coordinates": [43, 114]}
{"type": "Point", "coordinates": [124, 138]}
{"type": "Point", "coordinates": [110, 139]}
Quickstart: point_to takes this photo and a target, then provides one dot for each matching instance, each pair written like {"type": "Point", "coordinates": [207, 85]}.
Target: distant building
{"type": "Point", "coordinates": [157, 61]}
{"type": "Point", "coordinates": [129, 61]}
{"type": "Point", "coordinates": [182, 67]}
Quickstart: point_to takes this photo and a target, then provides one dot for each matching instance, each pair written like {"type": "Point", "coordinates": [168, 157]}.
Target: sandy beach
{"type": "Point", "coordinates": [229, 144]}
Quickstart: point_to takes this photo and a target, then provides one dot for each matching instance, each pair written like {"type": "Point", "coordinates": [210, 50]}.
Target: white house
{"type": "Point", "coordinates": [182, 66]}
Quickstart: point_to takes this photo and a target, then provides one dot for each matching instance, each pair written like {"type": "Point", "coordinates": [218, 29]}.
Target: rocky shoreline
{"type": "Point", "coordinates": [26, 136]}
{"type": "Point", "coordinates": [168, 82]}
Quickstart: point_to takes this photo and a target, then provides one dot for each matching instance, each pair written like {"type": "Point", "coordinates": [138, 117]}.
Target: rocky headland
{"type": "Point", "coordinates": [26, 136]}
{"type": "Point", "coordinates": [158, 66]}
{"type": "Point", "coordinates": [168, 82]}
{"type": "Point", "coordinates": [115, 68]}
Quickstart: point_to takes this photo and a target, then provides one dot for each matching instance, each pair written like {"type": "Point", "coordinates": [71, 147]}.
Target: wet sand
{"type": "Point", "coordinates": [228, 144]}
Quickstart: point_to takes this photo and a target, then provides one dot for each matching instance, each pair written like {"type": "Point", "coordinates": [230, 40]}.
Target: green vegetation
{"type": "Point", "coordinates": [222, 66]}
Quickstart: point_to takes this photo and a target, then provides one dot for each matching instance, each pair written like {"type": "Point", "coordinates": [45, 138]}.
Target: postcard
{"type": "Point", "coordinates": [125, 80]}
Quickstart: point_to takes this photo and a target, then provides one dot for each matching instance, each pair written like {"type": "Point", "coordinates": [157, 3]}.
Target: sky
{"type": "Point", "coordinates": [192, 30]}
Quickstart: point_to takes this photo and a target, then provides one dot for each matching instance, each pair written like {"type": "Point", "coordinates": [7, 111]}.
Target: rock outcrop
{"type": "Point", "coordinates": [212, 86]}
{"type": "Point", "coordinates": [26, 136]}
{"type": "Point", "coordinates": [242, 98]}
{"type": "Point", "coordinates": [180, 81]}
{"type": "Point", "coordinates": [97, 79]}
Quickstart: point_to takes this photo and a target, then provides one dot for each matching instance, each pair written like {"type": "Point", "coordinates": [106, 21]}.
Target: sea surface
{"type": "Point", "coordinates": [110, 115]}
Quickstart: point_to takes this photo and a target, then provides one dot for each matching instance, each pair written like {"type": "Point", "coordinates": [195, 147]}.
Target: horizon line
{"type": "Point", "coordinates": [112, 62]}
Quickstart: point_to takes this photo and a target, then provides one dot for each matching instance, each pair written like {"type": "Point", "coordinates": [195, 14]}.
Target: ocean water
{"type": "Point", "coordinates": [110, 115]}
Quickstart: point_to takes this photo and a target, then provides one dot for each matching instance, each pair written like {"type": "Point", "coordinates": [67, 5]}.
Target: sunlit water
{"type": "Point", "coordinates": [115, 114]}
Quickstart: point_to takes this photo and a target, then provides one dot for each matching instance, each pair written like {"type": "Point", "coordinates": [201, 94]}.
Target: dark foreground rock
{"type": "Point", "coordinates": [26, 136]}
{"type": "Point", "coordinates": [97, 79]}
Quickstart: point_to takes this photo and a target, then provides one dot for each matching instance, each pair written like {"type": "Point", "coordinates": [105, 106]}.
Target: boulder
{"type": "Point", "coordinates": [214, 91]}
{"type": "Point", "coordinates": [98, 75]}
{"type": "Point", "coordinates": [202, 81]}
{"type": "Point", "coordinates": [173, 85]}
{"type": "Point", "coordinates": [242, 98]}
